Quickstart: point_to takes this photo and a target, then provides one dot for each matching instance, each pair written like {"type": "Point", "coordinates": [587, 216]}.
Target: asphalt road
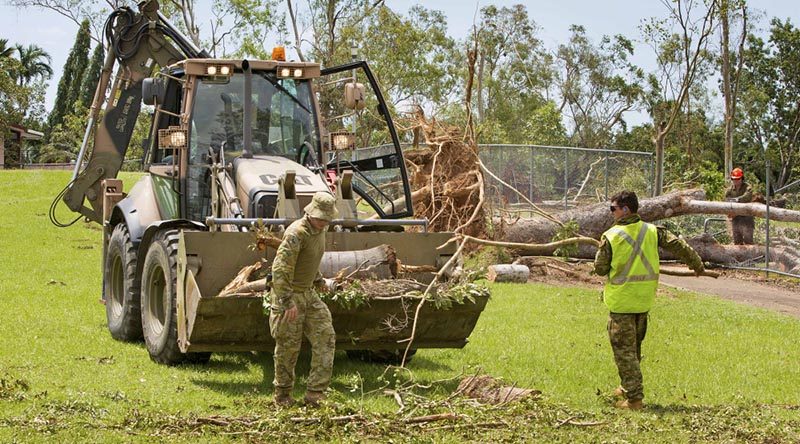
{"type": "Point", "coordinates": [745, 292]}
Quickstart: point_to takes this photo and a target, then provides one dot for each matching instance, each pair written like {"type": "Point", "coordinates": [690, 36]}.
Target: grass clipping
{"type": "Point", "coordinates": [446, 179]}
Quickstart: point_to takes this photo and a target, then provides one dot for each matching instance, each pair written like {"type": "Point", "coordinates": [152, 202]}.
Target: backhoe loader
{"type": "Point", "coordinates": [235, 146]}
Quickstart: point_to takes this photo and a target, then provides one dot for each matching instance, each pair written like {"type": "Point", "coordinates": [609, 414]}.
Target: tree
{"type": "Point", "coordinates": [397, 43]}
{"type": "Point", "coordinates": [512, 79]}
{"type": "Point", "coordinates": [92, 76]}
{"type": "Point", "coordinates": [731, 10]}
{"type": "Point", "coordinates": [770, 107]}
{"type": "Point", "coordinates": [5, 50]}
{"type": "Point", "coordinates": [13, 97]}
{"type": "Point", "coordinates": [34, 62]}
{"type": "Point", "coordinates": [69, 84]}
{"type": "Point", "coordinates": [597, 85]}
{"type": "Point", "coordinates": [680, 56]}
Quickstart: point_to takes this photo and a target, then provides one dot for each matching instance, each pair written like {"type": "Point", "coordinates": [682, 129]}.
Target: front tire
{"type": "Point", "coordinates": [122, 287]}
{"type": "Point", "coordinates": [158, 303]}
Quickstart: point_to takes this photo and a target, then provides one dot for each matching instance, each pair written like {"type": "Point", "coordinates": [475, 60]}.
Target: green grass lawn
{"type": "Point", "coordinates": [714, 370]}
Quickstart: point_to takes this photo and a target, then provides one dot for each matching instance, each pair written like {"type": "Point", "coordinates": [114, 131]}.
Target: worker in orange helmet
{"type": "Point", "coordinates": [741, 227]}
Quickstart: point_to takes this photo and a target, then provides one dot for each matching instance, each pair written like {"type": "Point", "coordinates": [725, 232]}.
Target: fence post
{"type": "Point", "coordinates": [566, 165]}
{"type": "Point", "coordinates": [606, 175]}
{"type": "Point", "coordinates": [530, 184]}
{"type": "Point", "coordinates": [652, 175]}
{"type": "Point", "coordinates": [766, 195]}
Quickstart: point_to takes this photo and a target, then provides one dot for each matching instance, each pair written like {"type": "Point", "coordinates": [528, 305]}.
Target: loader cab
{"type": "Point", "coordinates": [298, 113]}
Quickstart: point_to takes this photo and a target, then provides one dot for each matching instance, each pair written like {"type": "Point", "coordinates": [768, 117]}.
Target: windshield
{"type": "Point", "coordinates": [283, 124]}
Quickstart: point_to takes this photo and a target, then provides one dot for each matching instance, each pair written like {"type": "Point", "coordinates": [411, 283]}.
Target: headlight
{"type": "Point", "coordinates": [172, 138]}
{"type": "Point", "coordinates": [343, 140]}
{"type": "Point", "coordinates": [298, 73]}
{"type": "Point", "coordinates": [225, 70]}
{"type": "Point", "coordinates": [286, 72]}
{"type": "Point", "coordinates": [211, 70]}
{"type": "Point", "coordinates": [177, 139]}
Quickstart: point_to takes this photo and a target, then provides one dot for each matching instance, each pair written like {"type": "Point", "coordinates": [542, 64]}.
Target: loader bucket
{"type": "Point", "coordinates": [207, 261]}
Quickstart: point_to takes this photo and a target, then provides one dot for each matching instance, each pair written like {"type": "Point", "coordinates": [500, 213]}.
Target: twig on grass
{"type": "Point", "coordinates": [569, 421]}
{"type": "Point", "coordinates": [449, 416]}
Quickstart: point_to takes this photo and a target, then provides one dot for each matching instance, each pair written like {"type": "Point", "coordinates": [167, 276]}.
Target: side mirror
{"type": "Point", "coordinates": [354, 96]}
{"type": "Point", "coordinates": [153, 91]}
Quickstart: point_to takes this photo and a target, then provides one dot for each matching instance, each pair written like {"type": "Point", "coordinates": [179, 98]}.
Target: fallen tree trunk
{"type": "Point", "coordinates": [596, 219]}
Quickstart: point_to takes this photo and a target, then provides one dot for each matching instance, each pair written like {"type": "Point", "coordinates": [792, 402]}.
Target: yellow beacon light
{"type": "Point", "coordinates": [279, 53]}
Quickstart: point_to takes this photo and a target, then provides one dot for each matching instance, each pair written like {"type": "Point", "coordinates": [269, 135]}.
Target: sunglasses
{"type": "Point", "coordinates": [614, 207]}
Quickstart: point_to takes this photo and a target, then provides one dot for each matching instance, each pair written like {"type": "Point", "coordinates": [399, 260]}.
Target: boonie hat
{"type": "Point", "coordinates": [737, 173]}
{"type": "Point", "coordinates": [322, 206]}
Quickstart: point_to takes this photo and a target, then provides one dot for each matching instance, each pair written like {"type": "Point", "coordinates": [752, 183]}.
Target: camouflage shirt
{"type": "Point", "coordinates": [743, 195]}
{"type": "Point", "coordinates": [666, 240]}
{"type": "Point", "coordinates": [296, 265]}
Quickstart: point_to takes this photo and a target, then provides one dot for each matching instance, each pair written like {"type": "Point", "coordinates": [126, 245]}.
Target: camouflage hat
{"type": "Point", "coordinates": [322, 206]}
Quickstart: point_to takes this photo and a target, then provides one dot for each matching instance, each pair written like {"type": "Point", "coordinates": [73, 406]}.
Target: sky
{"type": "Point", "coordinates": [56, 34]}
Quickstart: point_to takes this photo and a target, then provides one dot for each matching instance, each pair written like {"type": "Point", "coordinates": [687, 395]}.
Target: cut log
{"type": "Point", "coordinates": [508, 273]}
{"type": "Point", "coordinates": [375, 263]}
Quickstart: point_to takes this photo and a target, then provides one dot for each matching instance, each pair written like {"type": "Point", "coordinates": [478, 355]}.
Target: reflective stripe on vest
{"type": "Point", "coordinates": [633, 279]}
{"type": "Point", "coordinates": [624, 275]}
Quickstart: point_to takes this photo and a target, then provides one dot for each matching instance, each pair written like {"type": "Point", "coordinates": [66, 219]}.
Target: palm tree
{"type": "Point", "coordinates": [5, 50]}
{"type": "Point", "coordinates": [35, 62]}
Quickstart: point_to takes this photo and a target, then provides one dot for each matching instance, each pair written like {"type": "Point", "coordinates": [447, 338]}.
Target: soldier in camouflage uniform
{"type": "Point", "coordinates": [741, 227]}
{"type": "Point", "coordinates": [295, 308]}
{"type": "Point", "coordinates": [628, 255]}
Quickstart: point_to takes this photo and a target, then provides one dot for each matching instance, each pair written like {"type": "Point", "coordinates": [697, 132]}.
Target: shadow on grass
{"type": "Point", "coordinates": [373, 376]}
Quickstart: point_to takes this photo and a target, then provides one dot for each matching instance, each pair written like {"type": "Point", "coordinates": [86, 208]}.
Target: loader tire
{"type": "Point", "coordinates": [391, 357]}
{"type": "Point", "coordinates": [159, 308]}
{"type": "Point", "coordinates": [121, 287]}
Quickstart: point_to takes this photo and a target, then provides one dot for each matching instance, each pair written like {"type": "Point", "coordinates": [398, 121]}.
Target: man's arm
{"type": "Point", "coordinates": [681, 249]}
{"type": "Point", "coordinates": [747, 197]}
{"type": "Point", "coordinates": [602, 260]}
{"type": "Point", "coordinates": [283, 270]}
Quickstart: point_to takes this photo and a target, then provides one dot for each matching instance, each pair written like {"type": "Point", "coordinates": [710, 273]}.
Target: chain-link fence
{"type": "Point", "coordinates": [564, 177]}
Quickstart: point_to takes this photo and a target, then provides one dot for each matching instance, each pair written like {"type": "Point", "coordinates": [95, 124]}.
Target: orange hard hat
{"type": "Point", "coordinates": [737, 173]}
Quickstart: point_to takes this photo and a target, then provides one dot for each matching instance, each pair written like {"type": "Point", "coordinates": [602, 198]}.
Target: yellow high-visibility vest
{"type": "Point", "coordinates": [633, 279]}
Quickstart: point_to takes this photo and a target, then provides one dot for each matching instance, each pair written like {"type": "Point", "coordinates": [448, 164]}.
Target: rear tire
{"type": "Point", "coordinates": [158, 304]}
{"type": "Point", "coordinates": [391, 357]}
{"type": "Point", "coordinates": [121, 287]}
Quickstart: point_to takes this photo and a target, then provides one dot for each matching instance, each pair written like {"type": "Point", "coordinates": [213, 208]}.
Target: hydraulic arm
{"type": "Point", "coordinates": [137, 42]}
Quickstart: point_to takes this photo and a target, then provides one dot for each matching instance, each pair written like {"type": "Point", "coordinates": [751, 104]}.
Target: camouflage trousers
{"type": "Point", "coordinates": [314, 322]}
{"type": "Point", "coordinates": [742, 230]}
{"type": "Point", "coordinates": [626, 332]}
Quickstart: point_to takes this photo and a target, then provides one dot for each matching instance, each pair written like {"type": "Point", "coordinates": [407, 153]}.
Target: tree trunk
{"type": "Point", "coordinates": [726, 86]}
{"type": "Point", "coordinates": [658, 140]}
{"type": "Point", "coordinates": [594, 220]}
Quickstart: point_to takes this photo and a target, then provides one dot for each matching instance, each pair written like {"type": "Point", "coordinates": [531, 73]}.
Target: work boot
{"type": "Point", "coordinates": [630, 404]}
{"type": "Point", "coordinates": [619, 392]}
{"type": "Point", "coordinates": [313, 399]}
{"type": "Point", "coordinates": [283, 398]}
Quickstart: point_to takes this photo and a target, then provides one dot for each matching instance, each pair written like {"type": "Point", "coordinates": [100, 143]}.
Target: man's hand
{"type": "Point", "coordinates": [289, 315]}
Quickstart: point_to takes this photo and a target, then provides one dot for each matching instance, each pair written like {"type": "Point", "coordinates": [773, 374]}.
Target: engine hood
{"type": "Point", "coordinates": [258, 176]}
